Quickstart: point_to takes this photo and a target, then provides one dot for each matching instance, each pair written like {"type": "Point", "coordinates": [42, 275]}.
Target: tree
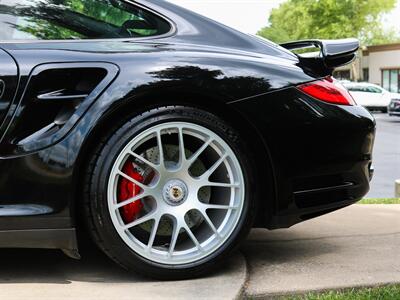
{"type": "Point", "coordinates": [330, 19]}
{"type": "Point", "coordinates": [69, 19]}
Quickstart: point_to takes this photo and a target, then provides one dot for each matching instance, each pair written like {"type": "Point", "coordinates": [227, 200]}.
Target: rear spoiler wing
{"type": "Point", "coordinates": [333, 53]}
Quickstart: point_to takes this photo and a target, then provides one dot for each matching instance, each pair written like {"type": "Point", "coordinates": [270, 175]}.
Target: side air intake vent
{"type": "Point", "coordinates": [55, 98]}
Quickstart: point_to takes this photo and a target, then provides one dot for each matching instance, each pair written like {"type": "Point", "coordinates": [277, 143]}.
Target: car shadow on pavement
{"type": "Point", "coordinates": [52, 266]}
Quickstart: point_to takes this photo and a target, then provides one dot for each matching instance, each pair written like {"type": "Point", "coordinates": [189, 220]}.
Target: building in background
{"type": "Point", "coordinates": [375, 64]}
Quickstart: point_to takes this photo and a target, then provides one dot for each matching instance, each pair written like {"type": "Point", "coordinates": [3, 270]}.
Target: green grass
{"type": "Point", "coordinates": [380, 201]}
{"type": "Point", "coordinates": [390, 292]}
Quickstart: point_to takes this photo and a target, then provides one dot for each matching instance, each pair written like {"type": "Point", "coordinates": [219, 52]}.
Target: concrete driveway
{"type": "Point", "coordinates": [49, 275]}
{"type": "Point", "coordinates": [357, 246]}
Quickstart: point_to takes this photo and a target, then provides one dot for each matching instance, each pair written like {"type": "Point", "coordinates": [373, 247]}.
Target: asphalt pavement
{"type": "Point", "coordinates": [386, 158]}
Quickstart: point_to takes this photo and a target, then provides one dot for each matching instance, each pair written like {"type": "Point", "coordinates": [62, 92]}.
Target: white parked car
{"type": "Point", "coordinates": [369, 95]}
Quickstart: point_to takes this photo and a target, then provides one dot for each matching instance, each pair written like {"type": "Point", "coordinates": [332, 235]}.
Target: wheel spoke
{"type": "Point", "coordinates": [218, 206]}
{"type": "Point", "coordinates": [174, 238]}
{"type": "Point", "coordinates": [214, 167]}
{"type": "Point", "coordinates": [182, 155]}
{"type": "Point", "coordinates": [153, 234]}
{"type": "Point", "coordinates": [138, 183]}
{"type": "Point", "coordinates": [192, 237]}
{"type": "Point", "coordinates": [142, 159]}
{"type": "Point", "coordinates": [210, 223]}
{"type": "Point", "coordinates": [196, 155]}
{"type": "Point", "coordinates": [131, 200]}
{"type": "Point", "coordinates": [139, 221]}
{"type": "Point", "coordinates": [160, 148]}
{"type": "Point", "coordinates": [222, 184]}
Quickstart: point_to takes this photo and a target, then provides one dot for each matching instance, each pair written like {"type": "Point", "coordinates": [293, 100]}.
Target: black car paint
{"type": "Point", "coordinates": [309, 149]}
{"type": "Point", "coordinates": [333, 54]}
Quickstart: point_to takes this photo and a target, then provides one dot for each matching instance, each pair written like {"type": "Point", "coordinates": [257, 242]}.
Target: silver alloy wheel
{"type": "Point", "coordinates": [176, 194]}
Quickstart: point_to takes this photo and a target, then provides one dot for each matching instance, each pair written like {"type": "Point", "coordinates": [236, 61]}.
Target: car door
{"type": "Point", "coordinates": [371, 98]}
{"type": "Point", "coordinates": [364, 97]}
{"type": "Point", "coordinates": [385, 99]}
{"type": "Point", "coordinates": [376, 95]}
{"type": "Point", "coordinates": [360, 97]}
{"type": "Point", "coordinates": [8, 82]}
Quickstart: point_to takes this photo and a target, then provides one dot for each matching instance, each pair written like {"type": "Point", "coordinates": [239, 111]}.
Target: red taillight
{"type": "Point", "coordinates": [328, 91]}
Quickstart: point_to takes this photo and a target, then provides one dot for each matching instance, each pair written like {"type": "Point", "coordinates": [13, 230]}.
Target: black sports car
{"type": "Point", "coordinates": [165, 134]}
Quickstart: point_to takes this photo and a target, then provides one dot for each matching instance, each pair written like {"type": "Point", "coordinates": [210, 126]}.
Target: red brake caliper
{"type": "Point", "coordinates": [128, 190]}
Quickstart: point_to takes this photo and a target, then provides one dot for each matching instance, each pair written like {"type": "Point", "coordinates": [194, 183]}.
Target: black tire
{"type": "Point", "coordinates": [96, 210]}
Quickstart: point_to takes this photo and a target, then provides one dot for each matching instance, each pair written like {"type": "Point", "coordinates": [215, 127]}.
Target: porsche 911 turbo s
{"type": "Point", "coordinates": [165, 136]}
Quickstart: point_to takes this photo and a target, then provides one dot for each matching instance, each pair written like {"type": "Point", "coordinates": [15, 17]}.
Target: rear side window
{"type": "Point", "coordinates": [76, 19]}
{"type": "Point", "coordinates": [372, 89]}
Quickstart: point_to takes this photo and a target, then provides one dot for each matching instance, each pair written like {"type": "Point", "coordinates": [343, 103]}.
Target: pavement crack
{"type": "Point", "coordinates": [243, 291]}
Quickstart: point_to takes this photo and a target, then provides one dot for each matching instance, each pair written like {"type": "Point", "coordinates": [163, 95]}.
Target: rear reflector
{"type": "Point", "coordinates": [328, 91]}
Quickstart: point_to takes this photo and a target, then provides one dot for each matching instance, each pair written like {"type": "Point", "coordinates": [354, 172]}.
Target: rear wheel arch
{"type": "Point", "coordinates": [264, 174]}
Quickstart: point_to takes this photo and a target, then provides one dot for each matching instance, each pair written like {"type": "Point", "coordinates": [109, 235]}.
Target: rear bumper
{"type": "Point", "coordinates": [338, 191]}
{"type": "Point", "coordinates": [339, 171]}
{"type": "Point", "coordinates": [321, 155]}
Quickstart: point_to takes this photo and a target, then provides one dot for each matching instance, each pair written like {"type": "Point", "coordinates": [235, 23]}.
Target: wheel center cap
{"type": "Point", "coordinates": [175, 192]}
